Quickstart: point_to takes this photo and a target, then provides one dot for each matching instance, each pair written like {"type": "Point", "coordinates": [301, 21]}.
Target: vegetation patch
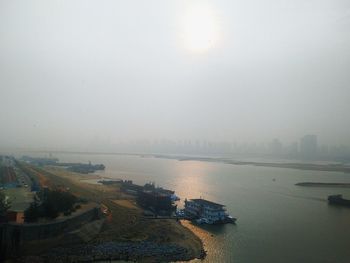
{"type": "Point", "coordinates": [50, 204]}
{"type": "Point", "coordinates": [4, 206]}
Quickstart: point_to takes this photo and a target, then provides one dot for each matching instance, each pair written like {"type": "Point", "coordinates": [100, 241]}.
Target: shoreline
{"type": "Point", "coordinates": [330, 167]}
{"type": "Point", "coordinates": [188, 225]}
{"type": "Point", "coordinates": [126, 233]}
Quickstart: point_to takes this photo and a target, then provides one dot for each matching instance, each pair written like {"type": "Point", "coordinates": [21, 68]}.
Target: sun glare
{"type": "Point", "coordinates": [201, 30]}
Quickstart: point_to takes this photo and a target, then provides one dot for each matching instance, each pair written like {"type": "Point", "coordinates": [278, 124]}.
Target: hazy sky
{"type": "Point", "coordinates": [77, 71]}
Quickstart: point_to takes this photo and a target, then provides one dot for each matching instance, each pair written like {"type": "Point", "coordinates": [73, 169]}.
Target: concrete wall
{"type": "Point", "coordinates": [13, 237]}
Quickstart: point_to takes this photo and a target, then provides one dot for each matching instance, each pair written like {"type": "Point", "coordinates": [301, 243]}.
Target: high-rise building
{"type": "Point", "coordinates": [308, 146]}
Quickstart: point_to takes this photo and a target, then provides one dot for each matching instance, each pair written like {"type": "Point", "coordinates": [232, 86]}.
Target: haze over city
{"type": "Point", "coordinates": [73, 76]}
{"type": "Point", "coordinates": [175, 131]}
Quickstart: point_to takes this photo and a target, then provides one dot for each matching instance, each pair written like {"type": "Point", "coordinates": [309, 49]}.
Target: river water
{"type": "Point", "coordinates": [277, 221]}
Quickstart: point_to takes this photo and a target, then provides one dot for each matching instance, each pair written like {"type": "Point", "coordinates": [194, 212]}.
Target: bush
{"type": "Point", "coordinates": [67, 213]}
{"type": "Point", "coordinates": [82, 200]}
{"type": "Point", "coordinates": [53, 202]}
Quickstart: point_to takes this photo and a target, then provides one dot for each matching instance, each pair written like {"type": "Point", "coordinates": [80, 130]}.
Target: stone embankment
{"type": "Point", "coordinates": [133, 251]}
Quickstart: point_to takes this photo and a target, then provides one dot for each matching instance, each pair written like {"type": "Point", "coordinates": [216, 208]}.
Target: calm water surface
{"type": "Point", "coordinates": [277, 221]}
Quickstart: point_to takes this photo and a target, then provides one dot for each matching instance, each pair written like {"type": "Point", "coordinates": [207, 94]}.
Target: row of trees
{"type": "Point", "coordinates": [49, 204]}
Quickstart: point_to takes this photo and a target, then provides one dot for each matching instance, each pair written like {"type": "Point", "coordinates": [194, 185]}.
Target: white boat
{"type": "Point", "coordinates": [180, 213]}
{"type": "Point", "coordinates": [207, 212]}
{"type": "Point", "coordinates": [174, 198]}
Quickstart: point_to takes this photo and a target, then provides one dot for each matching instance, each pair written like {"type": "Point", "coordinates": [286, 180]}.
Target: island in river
{"type": "Point", "coordinates": [318, 184]}
{"type": "Point", "coordinates": [329, 167]}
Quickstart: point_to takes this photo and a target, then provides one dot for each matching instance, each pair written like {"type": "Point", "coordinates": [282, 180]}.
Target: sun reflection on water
{"type": "Point", "coordinates": [192, 177]}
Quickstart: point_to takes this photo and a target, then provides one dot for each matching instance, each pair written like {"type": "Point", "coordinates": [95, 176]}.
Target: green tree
{"type": "Point", "coordinates": [4, 205]}
{"type": "Point", "coordinates": [33, 212]}
{"type": "Point", "coordinates": [50, 203]}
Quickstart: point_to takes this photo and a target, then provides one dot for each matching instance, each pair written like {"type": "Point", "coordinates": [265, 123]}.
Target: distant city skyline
{"type": "Point", "coordinates": [307, 147]}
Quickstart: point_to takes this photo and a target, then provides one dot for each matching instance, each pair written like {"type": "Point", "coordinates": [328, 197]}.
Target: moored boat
{"type": "Point", "coordinates": [338, 200]}
{"type": "Point", "coordinates": [207, 212]}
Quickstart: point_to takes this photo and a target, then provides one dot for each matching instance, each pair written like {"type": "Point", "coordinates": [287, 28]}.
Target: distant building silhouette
{"type": "Point", "coordinates": [308, 146]}
{"type": "Point", "coordinates": [275, 147]}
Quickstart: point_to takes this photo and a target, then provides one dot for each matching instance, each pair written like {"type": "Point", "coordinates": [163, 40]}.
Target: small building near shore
{"type": "Point", "coordinates": [15, 217]}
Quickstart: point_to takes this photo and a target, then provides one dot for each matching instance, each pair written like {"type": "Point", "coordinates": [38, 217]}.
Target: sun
{"type": "Point", "coordinates": [200, 28]}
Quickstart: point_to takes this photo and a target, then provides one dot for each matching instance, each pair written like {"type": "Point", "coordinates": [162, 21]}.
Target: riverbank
{"type": "Point", "coordinates": [329, 167]}
{"type": "Point", "coordinates": [291, 165]}
{"type": "Point", "coordinates": [126, 233]}
{"type": "Point", "coordinates": [266, 208]}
